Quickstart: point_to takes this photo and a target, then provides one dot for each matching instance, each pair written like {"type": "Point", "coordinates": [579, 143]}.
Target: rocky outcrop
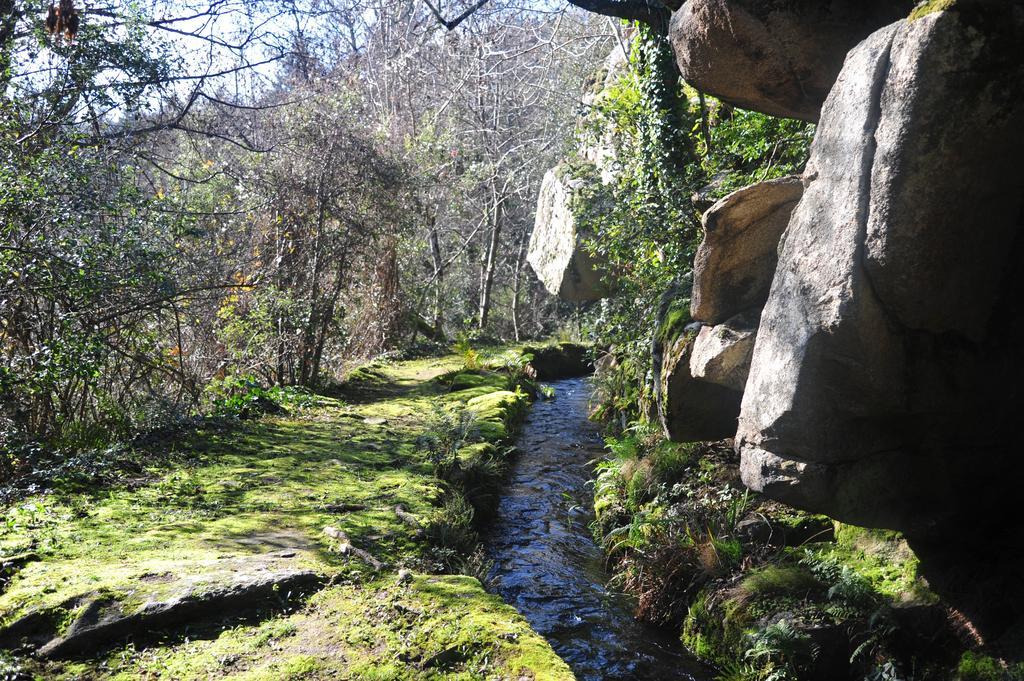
{"type": "Point", "coordinates": [778, 58]}
{"type": "Point", "coordinates": [556, 251]}
{"type": "Point", "coordinates": [884, 386]}
{"type": "Point", "coordinates": [564, 360]}
{"type": "Point", "coordinates": [721, 354]}
{"type": "Point", "coordinates": [691, 409]}
{"type": "Point", "coordinates": [597, 143]}
{"type": "Point", "coordinates": [700, 375]}
{"type": "Point", "coordinates": [736, 260]}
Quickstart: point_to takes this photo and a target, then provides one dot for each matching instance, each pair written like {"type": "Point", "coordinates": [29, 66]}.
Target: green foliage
{"type": "Point", "coordinates": [244, 397]}
{"type": "Point", "coordinates": [86, 281]}
{"type": "Point", "coordinates": [979, 667]}
{"type": "Point", "coordinates": [470, 357]}
{"type": "Point", "coordinates": [516, 366]}
{"type": "Point", "coordinates": [781, 652]}
{"type": "Point", "coordinates": [748, 147]}
{"type": "Point", "coordinates": [846, 584]}
{"type": "Point", "coordinates": [643, 224]}
{"type": "Point", "coordinates": [448, 432]}
{"type": "Point", "coordinates": [451, 530]}
{"type": "Point", "coordinates": [665, 519]}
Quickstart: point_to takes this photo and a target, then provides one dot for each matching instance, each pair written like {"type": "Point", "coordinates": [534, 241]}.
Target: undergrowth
{"type": "Point", "coordinates": [681, 532]}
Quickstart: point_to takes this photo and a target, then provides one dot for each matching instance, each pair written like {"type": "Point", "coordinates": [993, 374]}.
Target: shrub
{"type": "Point", "coordinates": [242, 397]}
{"type": "Point", "coordinates": [979, 667]}
{"type": "Point", "coordinates": [447, 432]}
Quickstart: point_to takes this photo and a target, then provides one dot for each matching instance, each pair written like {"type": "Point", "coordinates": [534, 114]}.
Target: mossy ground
{"type": "Point", "coordinates": [273, 485]}
{"type": "Point", "coordinates": [432, 627]}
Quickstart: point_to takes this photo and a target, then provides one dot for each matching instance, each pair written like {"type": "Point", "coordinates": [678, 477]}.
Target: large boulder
{"type": "Point", "coordinates": [736, 259]}
{"type": "Point", "coordinates": [563, 360]}
{"type": "Point", "coordinates": [778, 58]}
{"type": "Point", "coordinates": [699, 374]}
{"type": "Point", "coordinates": [884, 388]}
{"type": "Point", "coordinates": [556, 250]}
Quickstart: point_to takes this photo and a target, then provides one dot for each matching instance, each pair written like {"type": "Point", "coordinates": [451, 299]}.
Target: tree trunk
{"type": "Point", "coordinates": [487, 278]}
{"type": "Point", "coordinates": [516, 283]}
{"type": "Point", "coordinates": [8, 24]}
{"type": "Point", "coordinates": [438, 263]}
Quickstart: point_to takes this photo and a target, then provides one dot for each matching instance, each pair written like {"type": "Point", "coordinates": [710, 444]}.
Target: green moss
{"type": "Point", "coordinates": [675, 320]}
{"type": "Point", "coordinates": [777, 580]}
{"type": "Point", "coordinates": [884, 559]}
{"type": "Point", "coordinates": [366, 375]}
{"type": "Point", "coordinates": [497, 412]}
{"type": "Point", "coordinates": [382, 631]}
{"type": "Point", "coordinates": [463, 380]}
{"type": "Point", "coordinates": [274, 484]}
{"type": "Point", "coordinates": [702, 631]}
{"type": "Point", "coordinates": [853, 536]}
{"type": "Point", "coordinates": [923, 9]}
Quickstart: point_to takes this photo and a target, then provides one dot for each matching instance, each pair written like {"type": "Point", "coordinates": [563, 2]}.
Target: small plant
{"type": "Point", "coordinates": [470, 357]}
{"type": "Point", "coordinates": [872, 648]}
{"type": "Point", "coordinates": [242, 397]}
{"type": "Point", "coordinates": [844, 583]}
{"type": "Point", "coordinates": [978, 667]}
{"type": "Point", "coordinates": [477, 565]}
{"type": "Point", "coordinates": [447, 432]}
{"type": "Point", "coordinates": [886, 671]}
{"type": "Point", "coordinates": [515, 364]}
{"type": "Point", "coordinates": [451, 530]}
{"type": "Point", "coordinates": [781, 652]}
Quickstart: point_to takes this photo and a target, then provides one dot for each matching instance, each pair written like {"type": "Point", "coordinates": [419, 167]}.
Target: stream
{"type": "Point", "coordinates": [547, 565]}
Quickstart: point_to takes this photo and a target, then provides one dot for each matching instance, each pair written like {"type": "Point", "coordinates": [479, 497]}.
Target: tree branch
{"type": "Point", "coordinates": [452, 23]}
{"type": "Point", "coordinates": [653, 13]}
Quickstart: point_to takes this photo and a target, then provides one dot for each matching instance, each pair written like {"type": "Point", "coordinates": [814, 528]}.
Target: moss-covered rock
{"type": "Point", "coordinates": [560, 360]}
{"type": "Point", "coordinates": [497, 412]}
{"type": "Point", "coordinates": [927, 7]}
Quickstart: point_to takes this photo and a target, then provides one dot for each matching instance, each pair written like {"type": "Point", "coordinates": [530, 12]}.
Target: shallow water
{"type": "Point", "coordinates": [547, 565]}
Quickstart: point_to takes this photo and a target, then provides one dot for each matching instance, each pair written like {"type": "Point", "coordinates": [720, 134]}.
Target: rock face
{"type": "Point", "coordinates": [884, 386]}
{"type": "Point", "coordinates": [556, 253]}
{"type": "Point", "coordinates": [597, 143]}
{"type": "Point", "coordinates": [778, 58]}
{"type": "Point", "coordinates": [565, 360]}
{"type": "Point", "coordinates": [736, 260]}
{"type": "Point", "coordinates": [692, 409]}
{"type": "Point", "coordinates": [721, 354]}
{"type": "Point", "coordinates": [700, 377]}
